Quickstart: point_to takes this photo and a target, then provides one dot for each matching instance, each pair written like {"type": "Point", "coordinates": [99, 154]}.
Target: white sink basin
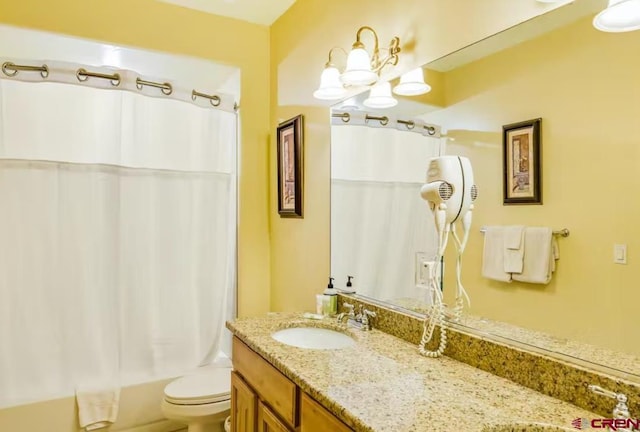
{"type": "Point", "coordinates": [313, 338]}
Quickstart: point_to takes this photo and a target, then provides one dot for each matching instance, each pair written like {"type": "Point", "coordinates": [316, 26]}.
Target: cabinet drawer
{"type": "Point", "coordinates": [315, 418]}
{"type": "Point", "coordinates": [273, 387]}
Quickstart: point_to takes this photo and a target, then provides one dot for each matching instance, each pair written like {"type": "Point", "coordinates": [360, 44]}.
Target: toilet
{"type": "Point", "coordinates": [202, 401]}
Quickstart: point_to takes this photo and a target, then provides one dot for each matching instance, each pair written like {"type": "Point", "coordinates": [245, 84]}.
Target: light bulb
{"type": "Point", "coordinates": [358, 71]}
{"type": "Point", "coordinates": [380, 96]}
{"type": "Point", "coordinates": [330, 86]}
{"type": "Point", "coordinates": [412, 84]}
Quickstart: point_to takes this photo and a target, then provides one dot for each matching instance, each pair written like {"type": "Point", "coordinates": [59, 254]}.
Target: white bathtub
{"type": "Point", "coordinates": [139, 412]}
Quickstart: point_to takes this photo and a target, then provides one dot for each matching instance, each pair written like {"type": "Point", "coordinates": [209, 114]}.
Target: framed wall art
{"type": "Point", "coordinates": [522, 170]}
{"type": "Point", "coordinates": [290, 167]}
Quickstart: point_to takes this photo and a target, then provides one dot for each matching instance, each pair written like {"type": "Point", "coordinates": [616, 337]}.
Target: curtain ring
{"type": "Point", "coordinates": [82, 73]}
{"type": "Point", "coordinates": [384, 120]}
{"type": "Point", "coordinates": [45, 72]}
{"type": "Point", "coordinates": [7, 65]}
{"type": "Point", "coordinates": [410, 124]}
{"type": "Point", "coordinates": [116, 81]}
{"type": "Point", "coordinates": [430, 130]}
{"type": "Point", "coordinates": [215, 100]}
{"type": "Point", "coordinates": [167, 89]}
{"type": "Point", "coordinates": [346, 117]}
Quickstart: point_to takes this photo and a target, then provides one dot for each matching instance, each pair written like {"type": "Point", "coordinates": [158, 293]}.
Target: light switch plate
{"type": "Point", "coordinates": [620, 253]}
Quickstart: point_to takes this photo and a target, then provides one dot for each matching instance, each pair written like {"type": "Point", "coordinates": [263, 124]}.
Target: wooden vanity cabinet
{"type": "Point", "coordinates": [315, 418]}
{"type": "Point", "coordinates": [244, 405]}
{"type": "Point", "coordinates": [264, 400]}
{"type": "Point", "coordinates": [268, 421]}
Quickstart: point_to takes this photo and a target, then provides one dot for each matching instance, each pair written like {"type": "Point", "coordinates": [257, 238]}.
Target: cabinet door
{"type": "Point", "coordinates": [268, 422]}
{"type": "Point", "coordinates": [314, 418]}
{"type": "Point", "coordinates": [244, 405]}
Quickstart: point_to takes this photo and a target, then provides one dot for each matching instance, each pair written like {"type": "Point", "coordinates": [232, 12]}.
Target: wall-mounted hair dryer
{"type": "Point", "coordinates": [449, 188]}
{"type": "Point", "coordinates": [450, 191]}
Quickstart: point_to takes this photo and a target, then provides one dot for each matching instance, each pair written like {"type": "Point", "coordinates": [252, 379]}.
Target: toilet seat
{"type": "Point", "coordinates": [211, 386]}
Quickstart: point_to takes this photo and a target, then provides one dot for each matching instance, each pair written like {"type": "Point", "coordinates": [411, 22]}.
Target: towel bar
{"type": "Point", "coordinates": [564, 232]}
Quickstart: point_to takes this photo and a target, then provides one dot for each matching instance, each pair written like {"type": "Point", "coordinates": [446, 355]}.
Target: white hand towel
{"type": "Point", "coordinates": [493, 255]}
{"type": "Point", "coordinates": [514, 248]}
{"type": "Point", "coordinates": [97, 406]}
{"type": "Point", "coordinates": [540, 254]}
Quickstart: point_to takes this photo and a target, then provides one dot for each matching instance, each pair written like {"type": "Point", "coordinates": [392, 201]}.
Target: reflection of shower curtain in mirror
{"type": "Point", "coordinates": [378, 219]}
{"type": "Point", "coordinates": [117, 236]}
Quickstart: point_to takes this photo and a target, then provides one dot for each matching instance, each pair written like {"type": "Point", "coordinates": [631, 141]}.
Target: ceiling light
{"type": "Point", "coordinates": [380, 96]}
{"type": "Point", "coordinates": [330, 86]}
{"type": "Point", "coordinates": [358, 71]}
{"type": "Point", "coordinates": [363, 68]}
{"type": "Point", "coordinates": [619, 16]}
{"type": "Point", "coordinates": [412, 84]}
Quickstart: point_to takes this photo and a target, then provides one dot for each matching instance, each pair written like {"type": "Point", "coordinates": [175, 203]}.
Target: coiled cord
{"type": "Point", "coordinates": [436, 316]}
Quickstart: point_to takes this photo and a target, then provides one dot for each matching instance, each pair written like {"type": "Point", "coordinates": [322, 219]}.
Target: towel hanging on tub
{"type": "Point", "coordinates": [97, 406]}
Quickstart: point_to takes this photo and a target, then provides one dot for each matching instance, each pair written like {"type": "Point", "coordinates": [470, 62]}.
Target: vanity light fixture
{"type": "Point", "coordinates": [363, 69]}
{"type": "Point", "coordinates": [619, 16]}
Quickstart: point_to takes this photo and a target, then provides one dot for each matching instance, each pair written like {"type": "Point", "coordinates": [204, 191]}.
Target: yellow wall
{"type": "Point", "coordinates": [584, 85]}
{"type": "Point", "coordinates": [300, 40]}
{"type": "Point", "coordinates": [159, 26]}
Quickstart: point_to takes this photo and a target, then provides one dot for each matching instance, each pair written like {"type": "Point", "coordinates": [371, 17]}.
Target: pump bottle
{"type": "Point", "coordinates": [330, 300]}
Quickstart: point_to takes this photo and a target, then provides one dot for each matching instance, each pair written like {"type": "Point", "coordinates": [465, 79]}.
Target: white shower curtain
{"type": "Point", "coordinates": [378, 219]}
{"type": "Point", "coordinates": [117, 236]}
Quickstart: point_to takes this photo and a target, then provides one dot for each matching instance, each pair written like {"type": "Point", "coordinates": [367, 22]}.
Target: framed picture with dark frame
{"type": "Point", "coordinates": [522, 169]}
{"type": "Point", "coordinates": [290, 168]}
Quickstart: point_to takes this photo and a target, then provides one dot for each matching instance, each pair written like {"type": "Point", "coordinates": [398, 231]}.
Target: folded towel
{"type": "Point", "coordinates": [493, 255]}
{"type": "Point", "coordinates": [513, 248]}
{"type": "Point", "coordinates": [540, 255]}
{"type": "Point", "coordinates": [97, 406]}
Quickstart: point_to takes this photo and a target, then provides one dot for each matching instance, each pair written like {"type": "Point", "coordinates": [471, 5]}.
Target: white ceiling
{"type": "Point", "coordinates": [256, 11]}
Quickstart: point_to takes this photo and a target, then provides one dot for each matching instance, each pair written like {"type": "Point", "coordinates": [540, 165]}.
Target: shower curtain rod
{"type": "Point", "coordinates": [564, 232]}
{"type": "Point", "coordinates": [11, 69]}
{"type": "Point", "coordinates": [384, 120]}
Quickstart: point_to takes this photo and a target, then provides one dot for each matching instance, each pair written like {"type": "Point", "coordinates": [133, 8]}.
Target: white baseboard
{"type": "Point", "coordinates": [160, 426]}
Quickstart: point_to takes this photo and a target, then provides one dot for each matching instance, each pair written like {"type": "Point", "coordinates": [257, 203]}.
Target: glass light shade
{"type": "Point", "coordinates": [619, 16]}
{"type": "Point", "coordinates": [358, 71]}
{"type": "Point", "coordinates": [330, 85]}
{"type": "Point", "coordinates": [412, 84]}
{"type": "Point", "coordinates": [380, 96]}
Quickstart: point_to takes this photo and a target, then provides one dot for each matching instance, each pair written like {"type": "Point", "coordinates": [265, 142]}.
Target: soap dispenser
{"type": "Point", "coordinates": [330, 301]}
{"type": "Point", "coordinates": [349, 289]}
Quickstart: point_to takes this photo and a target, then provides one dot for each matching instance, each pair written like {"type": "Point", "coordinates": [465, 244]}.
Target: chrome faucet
{"type": "Point", "coordinates": [365, 319]}
{"type": "Point", "coordinates": [361, 320]}
{"type": "Point", "coordinates": [349, 315]}
{"type": "Point", "coordinates": [621, 410]}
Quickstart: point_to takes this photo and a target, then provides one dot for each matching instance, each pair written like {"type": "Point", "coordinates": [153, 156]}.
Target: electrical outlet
{"type": "Point", "coordinates": [428, 270]}
{"type": "Point", "coordinates": [424, 269]}
{"type": "Point", "coordinates": [417, 269]}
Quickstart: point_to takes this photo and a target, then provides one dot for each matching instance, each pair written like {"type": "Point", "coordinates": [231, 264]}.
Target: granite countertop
{"type": "Point", "coordinates": [382, 384]}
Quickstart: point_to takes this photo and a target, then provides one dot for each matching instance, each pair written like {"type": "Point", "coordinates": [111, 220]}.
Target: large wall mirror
{"type": "Point", "coordinates": [584, 85]}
